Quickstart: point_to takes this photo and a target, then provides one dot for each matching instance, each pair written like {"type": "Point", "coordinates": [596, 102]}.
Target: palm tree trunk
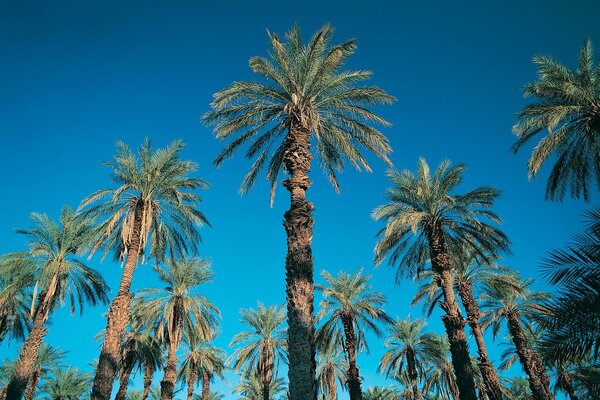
{"type": "Point", "coordinates": [205, 386]}
{"type": "Point", "coordinates": [148, 373]}
{"type": "Point", "coordinates": [192, 381]}
{"type": "Point", "coordinates": [353, 378]}
{"type": "Point", "coordinates": [32, 385]}
{"type": "Point", "coordinates": [298, 223]}
{"type": "Point", "coordinates": [117, 319]}
{"type": "Point", "coordinates": [167, 385]}
{"type": "Point", "coordinates": [412, 373]}
{"type": "Point", "coordinates": [493, 389]}
{"type": "Point", "coordinates": [124, 381]}
{"type": "Point", "coordinates": [265, 390]}
{"type": "Point", "coordinates": [453, 320]}
{"type": "Point", "coordinates": [31, 349]}
{"type": "Point", "coordinates": [531, 369]}
{"type": "Point", "coordinates": [331, 386]}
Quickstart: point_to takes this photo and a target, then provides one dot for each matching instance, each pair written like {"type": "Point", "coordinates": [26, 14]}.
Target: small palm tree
{"type": "Point", "coordinates": [252, 388]}
{"type": "Point", "coordinates": [49, 358]}
{"type": "Point", "coordinates": [304, 96]}
{"type": "Point", "coordinates": [202, 362]}
{"type": "Point", "coordinates": [440, 379]}
{"type": "Point", "coordinates": [380, 393]}
{"type": "Point", "coordinates": [16, 279]}
{"type": "Point", "coordinates": [508, 298]}
{"type": "Point", "coordinates": [518, 389]}
{"type": "Point", "coordinates": [410, 350]}
{"type": "Point", "coordinates": [178, 309]}
{"type": "Point", "coordinates": [425, 222]}
{"type": "Point", "coordinates": [262, 348]}
{"type": "Point", "coordinates": [153, 205]}
{"type": "Point", "coordinates": [567, 106]}
{"type": "Point", "coordinates": [331, 368]}
{"type": "Point", "coordinates": [59, 275]}
{"type": "Point", "coordinates": [67, 384]}
{"type": "Point", "coordinates": [211, 396]}
{"type": "Point", "coordinates": [348, 305]}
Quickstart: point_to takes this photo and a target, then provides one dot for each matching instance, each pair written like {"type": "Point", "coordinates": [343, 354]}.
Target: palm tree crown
{"type": "Point", "coordinates": [568, 108]}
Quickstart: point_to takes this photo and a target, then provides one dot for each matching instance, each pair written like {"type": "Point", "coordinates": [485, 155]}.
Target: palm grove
{"type": "Point", "coordinates": [306, 106]}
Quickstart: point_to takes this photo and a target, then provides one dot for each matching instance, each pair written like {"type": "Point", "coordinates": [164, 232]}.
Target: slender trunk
{"type": "Point", "coordinates": [117, 319]}
{"type": "Point", "coordinates": [493, 389]}
{"type": "Point", "coordinates": [265, 390]}
{"type": "Point", "coordinates": [453, 320]}
{"type": "Point", "coordinates": [167, 385]}
{"type": "Point", "coordinates": [192, 381]}
{"type": "Point", "coordinates": [124, 381]}
{"type": "Point", "coordinates": [518, 337]}
{"type": "Point", "coordinates": [148, 373]}
{"type": "Point", "coordinates": [331, 386]}
{"type": "Point", "coordinates": [353, 378]}
{"type": "Point", "coordinates": [298, 223]}
{"type": "Point", "coordinates": [31, 349]}
{"type": "Point", "coordinates": [205, 386]}
{"type": "Point", "coordinates": [412, 373]}
{"type": "Point", "coordinates": [32, 385]}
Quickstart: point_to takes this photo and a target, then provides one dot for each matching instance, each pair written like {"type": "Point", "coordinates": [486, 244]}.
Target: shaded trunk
{"type": "Point", "coordinates": [412, 373]}
{"type": "Point", "coordinates": [538, 389]}
{"type": "Point", "coordinates": [124, 381]}
{"type": "Point", "coordinates": [148, 373]}
{"type": "Point", "coordinates": [353, 378]}
{"type": "Point", "coordinates": [205, 386]}
{"type": "Point", "coordinates": [167, 385]}
{"type": "Point", "coordinates": [29, 352]}
{"type": "Point", "coordinates": [32, 385]}
{"type": "Point", "coordinates": [117, 319]}
{"type": "Point", "coordinates": [493, 389]}
{"type": "Point", "coordinates": [265, 390]}
{"type": "Point", "coordinates": [192, 382]}
{"type": "Point", "coordinates": [298, 223]}
{"type": "Point", "coordinates": [453, 320]}
{"type": "Point", "coordinates": [331, 386]}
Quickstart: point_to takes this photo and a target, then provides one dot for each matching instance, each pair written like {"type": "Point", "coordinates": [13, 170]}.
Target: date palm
{"type": "Point", "coordinates": [349, 308]}
{"type": "Point", "coordinates": [380, 393]}
{"type": "Point", "coordinates": [16, 279]}
{"type": "Point", "coordinates": [567, 107]}
{"type": "Point", "coordinates": [60, 276]}
{"type": "Point", "coordinates": [252, 388]}
{"type": "Point", "coordinates": [153, 207]}
{"type": "Point", "coordinates": [67, 384]}
{"type": "Point", "coordinates": [49, 358]}
{"type": "Point", "coordinates": [304, 96]}
{"type": "Point", "coordinates": [426, 221]}
{"type": "Point", "coordinates": [178, 309]}
{"type": "Point", "coordinates": [202, 362]}
{"type": "Point", "coordinates": [331, 368]}
{"type": "Point", "coordinates": [260, 349]}
{"type": "Point", "coordinates": [507, 298]}
{"type": "Point", "coordinates": [409, 350]}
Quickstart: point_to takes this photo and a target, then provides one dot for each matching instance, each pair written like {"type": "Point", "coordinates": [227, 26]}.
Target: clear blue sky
{"type": "Point", "coordinates": [77, 76]}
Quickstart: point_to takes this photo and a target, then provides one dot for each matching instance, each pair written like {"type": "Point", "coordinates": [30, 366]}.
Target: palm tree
{"type": "Point", "coordinates": [409, 350]}
{"type": "Point", "coordinates": [508, 298]}
{"type": "Point", "coordinates": [426, 222]}
{"type": "Point", "coordinates": [60, 275]}
{"type": "Point", "coordinates": [304, 96]}
{"type": "Point", "coordinates": [211, 396]}
{"type": "Point", "coordinates": [49, 358]}
{"type": "Point", "coordinates": [178, 309]}
{"type": "Point", "coordinates": [201, 363]}
{"type": "Point", "coordinates": [518, 389]}
{"type": "Point", "coordinates": [252, 388]}
{"type": "Point", "coordinates": [380, 393]}
{"type": "Point", "coordinates": [349, 305]}
{"type": "Point", "coordinates": [567, 106]}
{"type": "Point", "coordinates": [331, 367]}
{"type": "Point", "coordinates": [440, 378]}
{"type": "Point", "coordinates": [16, 279]}
{"type": "Point", "coordinates": [155, 205]}
{"type": "Point", "coordinates": [262, 348]}
{"type": "Point", "coordinates": [67, 384]}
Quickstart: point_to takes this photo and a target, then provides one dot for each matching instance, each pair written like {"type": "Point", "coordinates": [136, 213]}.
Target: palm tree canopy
{"type": "Point", "coordinates": [301, 83]}
{"type": "Point", "coordinates": [67, 384]}
{"type": "Point", "coordinates": [156, 183]}
{"type": "Point", "coordinates": [178, 308]}
{"type": "Point", "coordinates": [201, 357]}
{"type": "Point", "coordinates": [251, 388]}
{"type": "Point", "coordinates": [567, 106]}
{"type": "Point", "coordinates": [350, 295]}
{"type": "Point", "coordinates": [331, 363]}
{"type": "Point", "coordinates": [418, 202]}
{"type": "Point", "coordinates": [381, 393]}
{"type": "Point", "coordinates": [267, 335]}
{"type": "Point", "coordinates": [17, 276]}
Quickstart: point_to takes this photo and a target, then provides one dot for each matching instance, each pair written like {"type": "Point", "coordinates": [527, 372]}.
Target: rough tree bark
{"type": "Point", "coordinates": [167, 385]}
{"type": "Point", "coordinates": [298, 223]}
{"type": "Point", "coordinates": [411, 363]}
{"type": "Point", "coordinates": [205, 386]}
{"type": "Point", "coordinates": [148, 373]}
{"type": "Point", "coordinates": [125, 374]}
{"type": "Point", "coordinates": [32, 384]}
{"type": "Point", "coordinates": [491, 381]}
{"type": "Point", "coordinates": [353, 378]}
{"type": "Point", "coordinates": [117, 319]}
{"type": "Point", "coordinates": [453, 320]}
{"type": "Point", "coordinates": [191, 382]}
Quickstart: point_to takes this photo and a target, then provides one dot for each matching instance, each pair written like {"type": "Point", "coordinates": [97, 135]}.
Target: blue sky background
{"type": "Point", "coordinates": [75, 77]}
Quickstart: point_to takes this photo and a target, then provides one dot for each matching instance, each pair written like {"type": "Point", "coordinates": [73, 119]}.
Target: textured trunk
{"type": "Point", "coordinates": [167, 385]}
{"type": "Point", "coordinates": [453, 320]}
{"type": "Point", "coordinates": [298, 223]}
{"type": "Point", "coordinates": [353, 378]}
{"type": "Point", "coordinates": [117, 319]}
{"type": "Point", "coordinates": [148, 373]}
{"type": "Point", "coordinates": [205, 386]}
{"type": "Point", "coordinates": [493, 389]}
{"type": "Point", "coordinates": [525, 356]}
{"type": "Point", "coordinates": [191, 382]}
{"type": "Point", "coordinates": [27, 357]}
{"type": "Point", "coordinates": [331, 386]}
{"type": "Point", "coordinates": [32, 385]}
{"type": "Point", "coordinates": [265, 390]}
{"type": "Point", "coordinates": [412, 374]}
{"type": "Point", "coordinates": [124, 381]}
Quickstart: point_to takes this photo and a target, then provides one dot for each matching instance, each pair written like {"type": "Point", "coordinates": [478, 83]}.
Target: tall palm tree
{"type": "Point", "coordinates": [60, 276]}
{"type": "Point", "coordinates": [440, 378]}
{"type": "Point", "coordinates": [331, 368]}
{"type": "Point", "coordinates": [567, 106]}
{"type": "Point", "coordinates": [67, 384]}
{"type": "Point", "coordinates": [16, 279]}
{"type": "Point", "coordinates": [202, 362]}
{"type": "Point", "coordinates": [350, 306]}
{"type": "Point", "coordinates": [251, 388]}
{"type": "Point", "coordinates": [49, 358]}
{"type": "Point", "coordinates": [153, 205]}
{"type": "Point", "coordinates": [409, 350]}
{"type": "Point", "coordinates": [178, 309]}
{"type": "Point", "coordinates": [304, 95]}
{"type": "Point", "coordinates": [508, 298]}
{"type": "Point", "coordinates": [263, 347]}
{"type": "Point", "coordinates": [425, 221]}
